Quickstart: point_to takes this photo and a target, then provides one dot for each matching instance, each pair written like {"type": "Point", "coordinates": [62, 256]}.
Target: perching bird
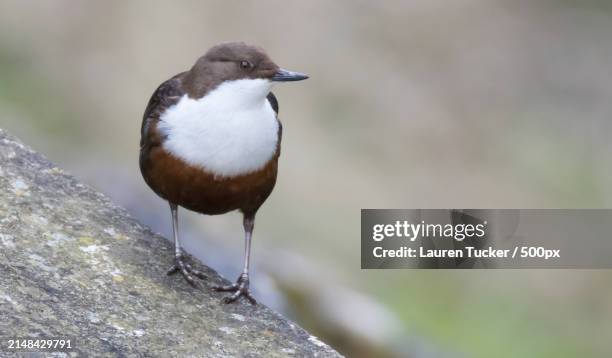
{"type": "Point", "coordinates": [210, 142]}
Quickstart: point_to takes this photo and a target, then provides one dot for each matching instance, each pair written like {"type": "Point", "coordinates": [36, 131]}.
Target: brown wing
{"type": "Point", "coordinates": [274, 103]}
{"type": "Point", "coordinates": [165, 96]}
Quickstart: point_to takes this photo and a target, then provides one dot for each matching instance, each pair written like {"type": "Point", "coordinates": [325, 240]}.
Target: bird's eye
{"type": "Point", "coordinates": [245, 64]}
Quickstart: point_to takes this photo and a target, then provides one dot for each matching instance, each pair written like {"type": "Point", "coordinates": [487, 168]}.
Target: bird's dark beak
{"type": "Point", "coordinates": [287, 76]}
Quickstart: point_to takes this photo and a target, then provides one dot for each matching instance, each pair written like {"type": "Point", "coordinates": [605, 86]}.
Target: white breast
{"type": "Point", "coordinates": [231, 131]}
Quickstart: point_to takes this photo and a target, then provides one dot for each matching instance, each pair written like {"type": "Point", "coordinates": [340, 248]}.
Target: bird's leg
{"type": "Point", "coordinates": [241, 287]}
{"type": "Point", "coordinates": [179, 262]}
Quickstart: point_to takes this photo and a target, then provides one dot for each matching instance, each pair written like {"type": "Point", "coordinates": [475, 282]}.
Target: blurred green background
{"type": "Point", "coordinates": [413, 104]}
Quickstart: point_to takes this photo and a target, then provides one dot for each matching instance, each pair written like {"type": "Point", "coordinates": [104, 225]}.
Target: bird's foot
{"type": "Point", "coordinates": [239, 289]}
{"type": "Point", "coordinates": [186, 270]}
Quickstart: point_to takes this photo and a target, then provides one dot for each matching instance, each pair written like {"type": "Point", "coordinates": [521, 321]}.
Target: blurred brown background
{"type": "Point", "coordinates": [419, 104]}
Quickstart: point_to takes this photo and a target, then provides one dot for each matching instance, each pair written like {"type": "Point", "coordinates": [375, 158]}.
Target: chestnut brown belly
{"type": "Point", "coordinates": [196, 189]}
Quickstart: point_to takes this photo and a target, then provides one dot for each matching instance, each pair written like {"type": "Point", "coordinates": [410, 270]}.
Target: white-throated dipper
{"type": "Point", "coordinates": [210, 142]}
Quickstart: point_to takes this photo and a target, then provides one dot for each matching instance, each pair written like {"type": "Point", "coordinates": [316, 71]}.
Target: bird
{"type": "Point", "coordinates": [211, 141]}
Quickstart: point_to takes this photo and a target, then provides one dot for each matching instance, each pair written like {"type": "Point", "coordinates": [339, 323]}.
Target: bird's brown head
{"type": "Point", "coordinates": [232, 61]}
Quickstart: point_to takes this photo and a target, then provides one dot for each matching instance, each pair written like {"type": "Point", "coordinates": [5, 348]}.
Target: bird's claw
{"type": "Point", "coordinates": [239, 289]}
{"type": "Point", "coordinates": [186, 270]}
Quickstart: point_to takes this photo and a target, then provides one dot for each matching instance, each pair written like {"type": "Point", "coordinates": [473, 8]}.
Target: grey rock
{"type": "Point", "coordinates": [75, 265]}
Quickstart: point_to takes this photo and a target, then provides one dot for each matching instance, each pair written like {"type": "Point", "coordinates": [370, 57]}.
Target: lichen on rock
{"type": "Point", "coordinates": [75, 265]}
